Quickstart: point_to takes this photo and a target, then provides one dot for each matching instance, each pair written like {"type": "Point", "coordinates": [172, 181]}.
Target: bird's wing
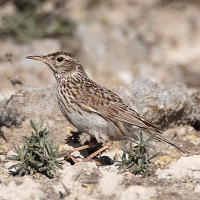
{"type": "Point", "coordinates": [104, 102]}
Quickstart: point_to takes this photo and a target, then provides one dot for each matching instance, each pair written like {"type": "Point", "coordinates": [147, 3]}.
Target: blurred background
{"type": "Point", "coordinates": [116, 41]}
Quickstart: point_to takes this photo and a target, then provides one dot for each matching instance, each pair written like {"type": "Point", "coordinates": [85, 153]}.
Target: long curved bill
{"type": "Point", "coordinates": [39, 58]}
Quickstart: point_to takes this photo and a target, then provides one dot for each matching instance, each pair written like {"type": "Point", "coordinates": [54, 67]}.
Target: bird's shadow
{"type": "Point", "coordinates": [75, 141]}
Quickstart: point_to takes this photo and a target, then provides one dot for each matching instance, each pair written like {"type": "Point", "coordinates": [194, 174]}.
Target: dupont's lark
{"type": "Point", "coordinates": [92, 108]}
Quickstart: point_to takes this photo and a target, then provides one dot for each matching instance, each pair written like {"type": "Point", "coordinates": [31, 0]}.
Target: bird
{"type": "Point", "coordinates": [94, 109]}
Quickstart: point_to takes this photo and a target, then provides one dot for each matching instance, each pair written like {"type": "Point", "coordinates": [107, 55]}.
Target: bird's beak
{"type": "Point", "coordinates": [39, 58]}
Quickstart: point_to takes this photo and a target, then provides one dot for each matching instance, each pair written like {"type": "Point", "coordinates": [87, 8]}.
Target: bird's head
{"type": "Point", "coordinates": [59, 62]}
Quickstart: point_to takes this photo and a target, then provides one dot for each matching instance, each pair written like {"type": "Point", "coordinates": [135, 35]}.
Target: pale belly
{"type": "Point", "coordinates": [91, 123]}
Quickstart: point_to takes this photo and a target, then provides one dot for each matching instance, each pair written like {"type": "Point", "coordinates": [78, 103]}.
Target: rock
{"type": "Point", "coordinates": [92, 181]}
{"type": "Point", "coordinates": [35, 104]}
{"type": "Point", "coordinates": [110, 184]}
{"type": "Point", "coordinates": [197, 189]}
{"type": "Point", "coordinates": [27, 103]}
{"type": "Point", "coordinates": [185, 167]}
{"type": "Point", "coordinates": [138, 192]}
{"type": "Point", "coordinates": [162, 104]}
{"type": "Point", "coordinates": [28, 189]}
{"type": "Point", "coordinates": [78, 179]}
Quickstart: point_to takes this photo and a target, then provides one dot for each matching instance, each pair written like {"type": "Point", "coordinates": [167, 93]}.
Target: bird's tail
{"type": "Point", "coordinates": [160, 138]}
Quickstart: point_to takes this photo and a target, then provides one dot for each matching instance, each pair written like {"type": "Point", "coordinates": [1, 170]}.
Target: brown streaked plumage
{"type": "Point", "coordinates": [92, 108]}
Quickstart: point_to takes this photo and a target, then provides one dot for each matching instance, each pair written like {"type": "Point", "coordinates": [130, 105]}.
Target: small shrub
{"type": "Point", "coordinates": [136, 159]}
{"type": "Point", "coordinates": [92, 3]}
{"type": "Point", "coordinates": [36, 154]}
{"type": "Point", "coordinates": [26, 23]}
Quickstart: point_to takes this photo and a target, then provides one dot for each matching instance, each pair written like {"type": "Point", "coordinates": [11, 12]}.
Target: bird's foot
{"type": "Point", "coordinates": [69, 158]}
{"type": "Point", "coordinates": [73, 160]}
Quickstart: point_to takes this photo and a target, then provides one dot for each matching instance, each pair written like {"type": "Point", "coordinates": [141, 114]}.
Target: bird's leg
{"type": "Point", "coordinates": [95, 153]}
{"type": "Point", "coordinates": [92, 143]}
{"type": "Point", "coordinates": [79, 148]}
{"type": "Point", "coordinates": [71, 158]}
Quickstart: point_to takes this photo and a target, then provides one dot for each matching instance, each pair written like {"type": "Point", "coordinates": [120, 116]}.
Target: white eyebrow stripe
{"type": "Point", "coordinates": [68, 58]}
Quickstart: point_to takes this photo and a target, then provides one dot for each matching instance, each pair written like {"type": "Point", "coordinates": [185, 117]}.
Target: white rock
{"type": "Point", "coordinates": [77, 154]}
{"type": "Point", "coordinates": [10, 153]}
{"type": "Point", "coordinates": [185, 167]}
{"type": "Point", "coordinates": [112, 154]}
{"type": "Point", "coordinates": [111, 168]}
{"type": "Point", "coordinates": [110, 183]}
{"type": "Point", "coordinates": [27, 190]}
{"type": "Point", "coordinates": [68, 173]}
{"type": "Point", "coordinates": [197, 189]}
{"type": "Point", "coordinates": [138, 193]}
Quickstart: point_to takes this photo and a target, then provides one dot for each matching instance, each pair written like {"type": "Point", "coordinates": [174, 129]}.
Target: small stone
{"type": "Point", "coordinates": [138, 192]}
{"type": "Point", "coordinates": [163, 161]}
{"type": "Point", "coordinates": [197, 189]}
{"type": "Point", "coordinates": [29, 189]}
{"type": "Point", "coordinates": [185, 167]}
{"type": "Point", "coordinates": [110, 183]}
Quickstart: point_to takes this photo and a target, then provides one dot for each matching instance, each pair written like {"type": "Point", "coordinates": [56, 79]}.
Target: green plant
{"type": "Point", "coordinates": [92, 3]}
{"type": "Point", "coordinates": [36, 154]}
{"type": "Point", "coordinates": [136, 159]}
{"type": "Point", "coordinates": [27, 23]}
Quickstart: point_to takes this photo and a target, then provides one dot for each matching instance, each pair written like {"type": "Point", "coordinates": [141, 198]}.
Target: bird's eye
{"type": "Point", "coordinates": [60, 59]}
